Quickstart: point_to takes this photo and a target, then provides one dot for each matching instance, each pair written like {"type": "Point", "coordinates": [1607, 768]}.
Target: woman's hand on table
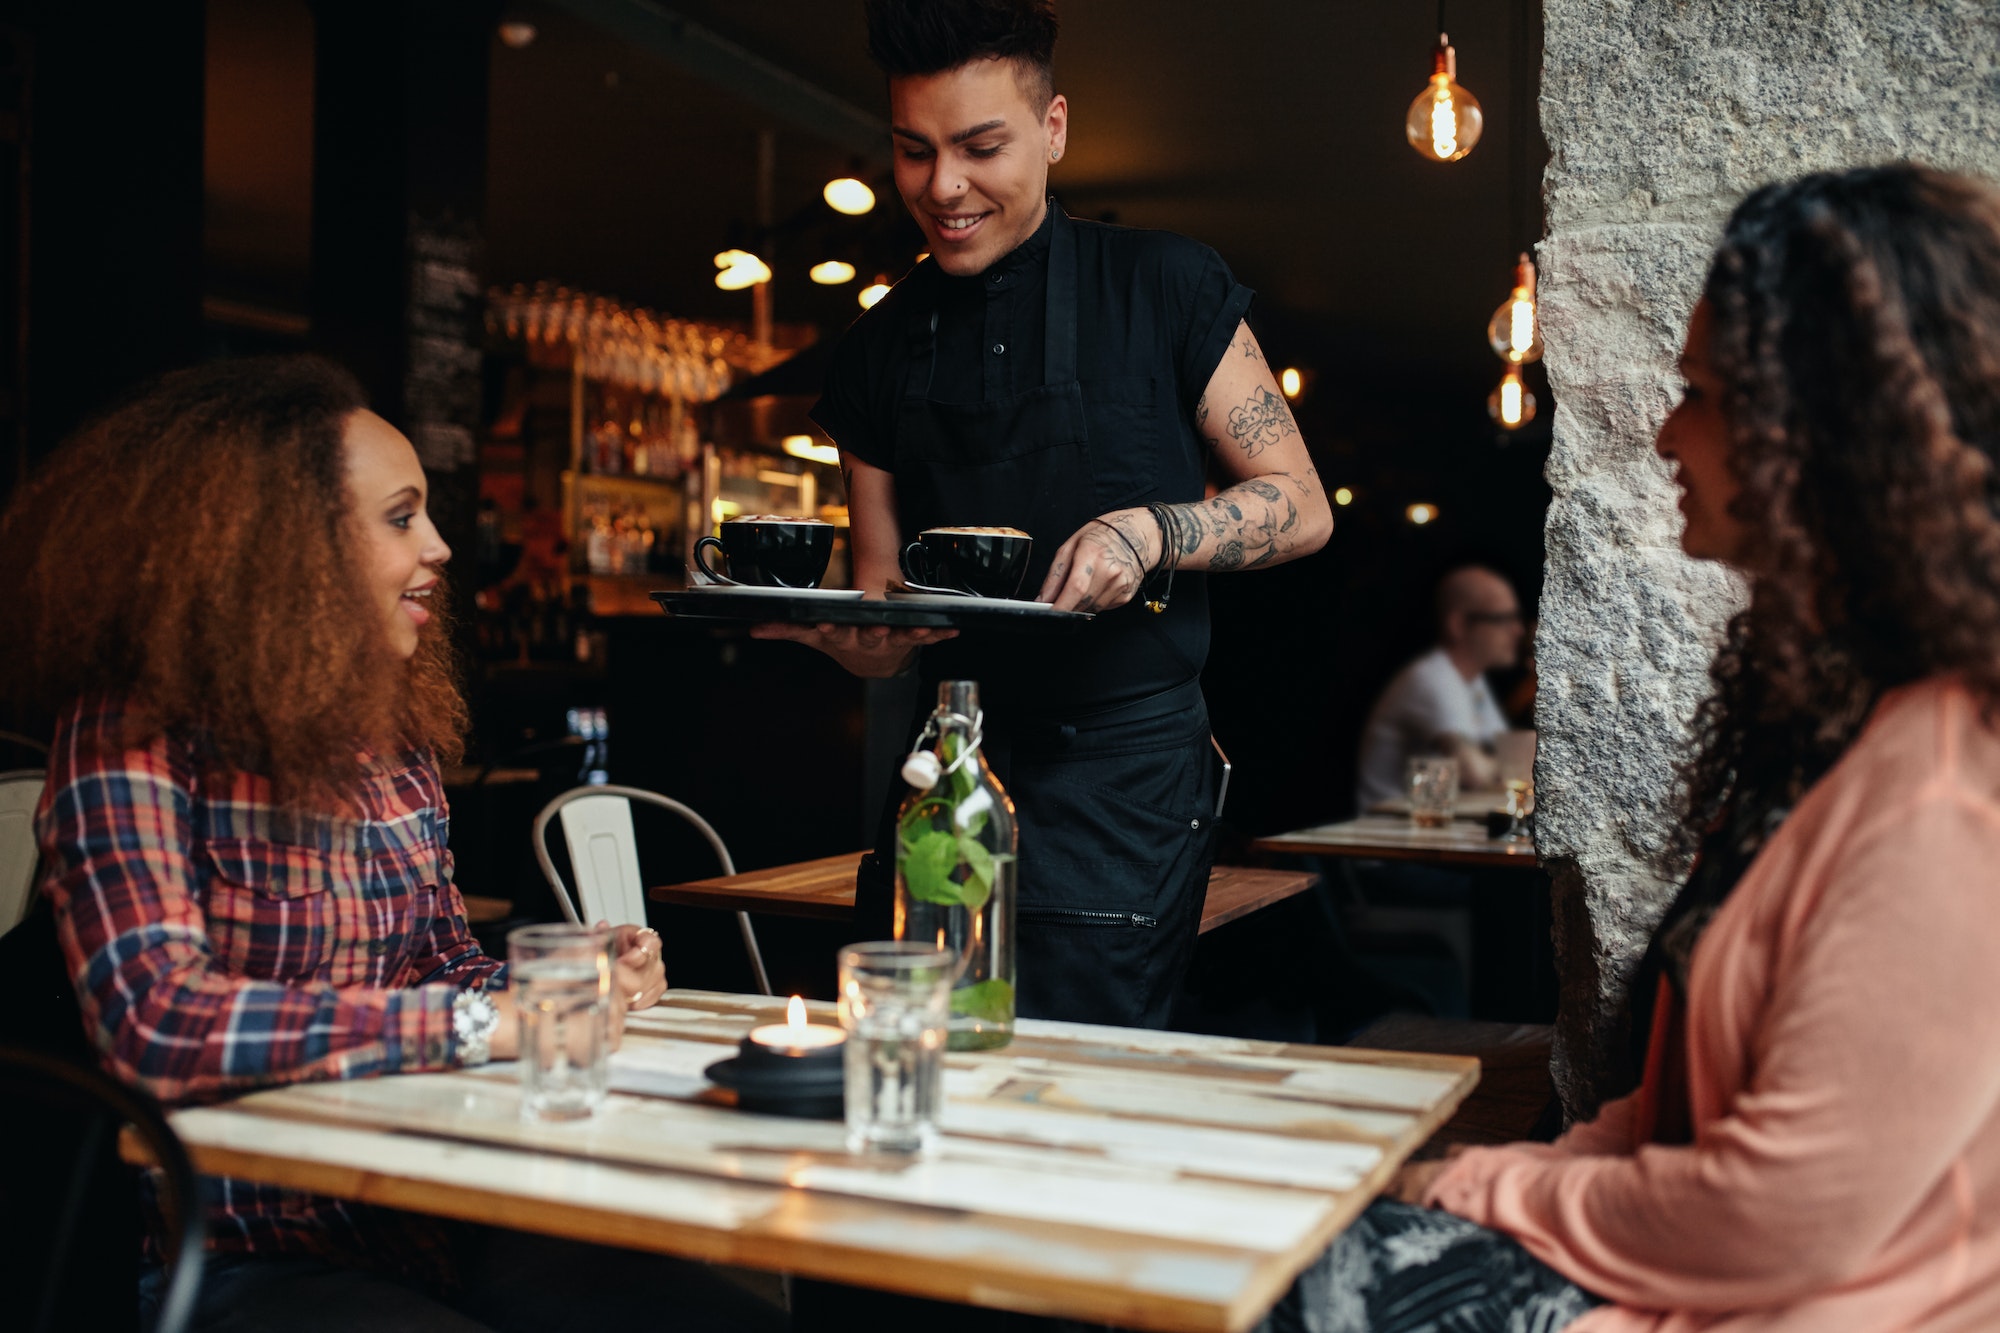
{"type": "Point", "coordinates": [873, 651]}
{"type": "Point", "coordinates": [505, 1043]}
{"type": "Point", "coordinates": [638, 973]}
{"type": "Point", "coordinates": [1104, 563]}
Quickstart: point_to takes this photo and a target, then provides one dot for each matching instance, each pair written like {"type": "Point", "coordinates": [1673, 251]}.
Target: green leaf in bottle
{"type": "Point", "coordinates": [927, 867]}
{"type": "Point", "coordinates": [991, 1000]}
{"type": "Point", "coordinates": [978, 882]}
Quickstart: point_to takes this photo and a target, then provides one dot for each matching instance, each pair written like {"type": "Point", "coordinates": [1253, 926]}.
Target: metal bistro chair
{"type": "Point", "coordinates": [604, 857]}
{"type": "Point", "coordinates": [19, 792]}
{"type": "Point", "coordinates": [50, 1198]}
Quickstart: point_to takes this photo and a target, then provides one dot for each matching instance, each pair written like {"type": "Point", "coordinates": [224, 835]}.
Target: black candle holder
{"type": "Point", "coordinates": [808, 1082]}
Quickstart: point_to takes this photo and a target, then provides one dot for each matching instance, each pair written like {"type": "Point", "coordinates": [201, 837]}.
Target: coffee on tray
{"type": "Point", "coordinates": [769, 551]}
{"type": "Point", "coordinates": [982, 562]}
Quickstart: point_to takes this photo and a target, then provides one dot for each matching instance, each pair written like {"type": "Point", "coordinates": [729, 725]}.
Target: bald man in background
{"type": "Point", "coordinates": [1440, 703]}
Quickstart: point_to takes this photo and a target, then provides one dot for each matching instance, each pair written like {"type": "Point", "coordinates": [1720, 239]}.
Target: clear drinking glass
{"type": "Point", "coordinates": [1432, 784]}
{"type": "Point", "coordinates": [561, 977]}
{"type": "Point", "coordinates": [895, 1002]}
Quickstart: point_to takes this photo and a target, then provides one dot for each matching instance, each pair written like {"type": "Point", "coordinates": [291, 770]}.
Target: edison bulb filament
{"type": "Point", "coordinates": [1444, 122]}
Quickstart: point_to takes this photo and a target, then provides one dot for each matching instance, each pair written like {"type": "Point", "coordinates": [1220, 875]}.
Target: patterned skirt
{"type": "Point", "coordinates": [1404, 1269]}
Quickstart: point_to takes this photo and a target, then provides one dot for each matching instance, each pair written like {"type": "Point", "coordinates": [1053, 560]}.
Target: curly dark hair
{"type": "Point", "coordinates": [1856, 328]}
{"type": "Point", "coordinates": [929, 36]}
{"type": "Point", "coordinates": [192, 553]}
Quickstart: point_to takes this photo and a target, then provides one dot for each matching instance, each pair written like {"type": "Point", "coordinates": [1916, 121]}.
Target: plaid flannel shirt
{"type": "Point", "coordinates": [219, 943]}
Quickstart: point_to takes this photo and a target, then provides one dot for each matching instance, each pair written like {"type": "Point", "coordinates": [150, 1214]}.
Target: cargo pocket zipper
{"type": "Point", "coordinates": [1074, 916]}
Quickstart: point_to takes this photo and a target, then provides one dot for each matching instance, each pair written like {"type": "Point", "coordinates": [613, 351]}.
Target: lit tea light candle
{"type": "Point", "coordinates": [795, 1033]}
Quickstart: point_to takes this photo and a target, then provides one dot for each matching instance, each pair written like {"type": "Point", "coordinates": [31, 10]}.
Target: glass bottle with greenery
{"type": "Point", "coordinates": [955, 865]}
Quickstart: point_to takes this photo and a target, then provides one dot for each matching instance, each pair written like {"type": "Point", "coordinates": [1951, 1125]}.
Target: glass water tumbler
{"type": "Point", "coordinates": [561, 978]}
{"type": "Point", "coordinates": [956, 861]}
{"type": "Point", "coordinates": [894, 1000]}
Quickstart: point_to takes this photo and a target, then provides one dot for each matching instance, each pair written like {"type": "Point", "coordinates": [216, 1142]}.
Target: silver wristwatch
{"type": "Point", "coordinates": [474, 1016]}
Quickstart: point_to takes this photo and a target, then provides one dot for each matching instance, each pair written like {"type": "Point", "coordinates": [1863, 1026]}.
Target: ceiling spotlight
{"type": "Point", "coordinates": [740, 269]}
{"type": "Point", "coordinates": [850, 196]}
{"type": "Point", "coordinates": [832, 273]}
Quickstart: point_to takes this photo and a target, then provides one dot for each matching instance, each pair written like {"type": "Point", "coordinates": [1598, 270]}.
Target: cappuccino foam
{"type": "Point", "coordinates": [776, 518]}
{"type": "Point", "coordinates": [980, 532]}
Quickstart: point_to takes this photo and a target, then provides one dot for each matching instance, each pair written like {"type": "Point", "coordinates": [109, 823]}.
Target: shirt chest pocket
{"type": "Point", "coordinates": [1133, 438]}
{"type": "Point", "coordinates": [276, 911]}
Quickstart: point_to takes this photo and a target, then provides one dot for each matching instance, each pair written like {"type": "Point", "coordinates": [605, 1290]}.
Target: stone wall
{"type": "Point", "coordinates": [1661, 115]}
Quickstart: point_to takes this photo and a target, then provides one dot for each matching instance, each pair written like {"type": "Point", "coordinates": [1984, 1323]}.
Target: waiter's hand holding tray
{"type": "Point", "coordinates": [782, 560]}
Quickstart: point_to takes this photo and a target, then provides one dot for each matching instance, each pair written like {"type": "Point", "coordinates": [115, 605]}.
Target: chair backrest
{"type": "Point", "coordinates": [54, 1183]}
{"type": "Point", "coordinates": [20, 790]}
{"type": "Point", "coordinates": [604, 857]}
{"type": "Point", "coordinates": [604, 851]}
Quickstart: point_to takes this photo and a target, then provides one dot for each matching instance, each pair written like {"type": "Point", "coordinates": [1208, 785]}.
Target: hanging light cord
{"type": "Point", "coordinates": [1441, 28]}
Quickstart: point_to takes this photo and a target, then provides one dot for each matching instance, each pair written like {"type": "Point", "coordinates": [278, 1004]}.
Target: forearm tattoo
{"type": "Point", "coordinates": [1253, 523]}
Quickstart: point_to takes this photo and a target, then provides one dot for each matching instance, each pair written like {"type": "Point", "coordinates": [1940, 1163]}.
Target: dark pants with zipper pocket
{"type": "Point", "coordinates": [1115, 815]}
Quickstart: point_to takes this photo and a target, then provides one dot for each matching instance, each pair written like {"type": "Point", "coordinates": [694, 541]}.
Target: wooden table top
{"type": "Point", "coordinates": [825, 888]}
{"type": "Point", "coordinates": [1392, 838]}
{"type": "Point", "coordinates": [1146, 1179]}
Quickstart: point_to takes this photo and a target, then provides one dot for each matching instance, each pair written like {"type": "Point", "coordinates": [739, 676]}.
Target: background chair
{"type": "Point", "coordinates": [19, 791]}
{"type": "Point", "coordinates": [604, 858]}
{"type": "Point", "coordinates": [71, 1224]}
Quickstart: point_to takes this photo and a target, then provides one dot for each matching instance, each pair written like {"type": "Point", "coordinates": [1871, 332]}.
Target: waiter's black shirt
{"type": "Point", "coordinates": [1149, 303]}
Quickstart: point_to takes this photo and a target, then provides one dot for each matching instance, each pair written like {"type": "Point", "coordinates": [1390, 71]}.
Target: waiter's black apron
{"type": "Point", "coordinates": [1114, 803]}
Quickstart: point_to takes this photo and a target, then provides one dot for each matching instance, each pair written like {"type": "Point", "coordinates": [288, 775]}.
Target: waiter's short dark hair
{"type": "Point", "coordinates": [930, 36]}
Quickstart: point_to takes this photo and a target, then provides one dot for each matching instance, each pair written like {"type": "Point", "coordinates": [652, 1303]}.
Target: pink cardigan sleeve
{"type": "Point", "coordinates": [1799, 1184]}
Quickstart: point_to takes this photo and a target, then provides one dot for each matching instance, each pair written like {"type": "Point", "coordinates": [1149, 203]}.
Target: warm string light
{"type": "Point", "coordinates": [832, 272]}
{"type": "Point", "coordinates": [874, 291]}
{"type": "Point", "coordinates": [1291, 382]}
{"type": "Point", "coordinates": [739, 269]}
{"type": "Point", "coordinates": [1420, 514]}
{"type": "Point", "coordinates": [848, 195]}
{"type": "Point", "coordinates": [1444, 122]}
{"type": "Point", "coordinates": [1515, 331]}
{"type": "Point", "coordinates": [1343, 496]}
{"type": "Point", "coordinates": [806, 447]}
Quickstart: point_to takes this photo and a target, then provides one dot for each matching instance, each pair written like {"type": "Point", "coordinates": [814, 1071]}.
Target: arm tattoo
{"type": "Point", "coordinates": [1201, 411]}
{"type": "Point", "coordinates": [1261, 422]}
{"type": "Point", "coordinates": [1253, 523]}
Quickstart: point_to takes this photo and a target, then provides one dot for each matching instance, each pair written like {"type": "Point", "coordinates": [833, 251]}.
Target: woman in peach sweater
{"type": "Point", "coordinates": [1816, 1141]}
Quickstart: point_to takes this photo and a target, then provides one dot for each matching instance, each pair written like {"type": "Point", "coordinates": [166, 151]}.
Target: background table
{"type": "Point", "coordinates": [1390, 838]}
{"type": "Point", "coordinates": [825, 888]}
{"type": "Point", "coordinates": [1148, 1179]}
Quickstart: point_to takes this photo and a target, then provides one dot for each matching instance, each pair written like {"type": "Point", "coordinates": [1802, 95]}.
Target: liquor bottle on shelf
{"type": "Point", "coordinates": [956, 854]}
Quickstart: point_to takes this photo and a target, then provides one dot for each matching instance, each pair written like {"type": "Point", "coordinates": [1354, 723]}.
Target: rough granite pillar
{"type": "Point", "coordinates": [1661, 115]}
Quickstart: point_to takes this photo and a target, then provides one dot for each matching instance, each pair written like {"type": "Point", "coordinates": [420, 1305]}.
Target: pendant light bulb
{"type": "Point", "coordinates": [832, 272]}
{"type": "Point", "coordinates": [874, 291]}
{"type": "Point", "coordinates": [1511, 405]}
{"type": "Point", "coordinates": [1515, 331]}
{"type": "Point", "coordinates": [1445, 121]}
{"type": "Point", "coordinates": [849, 195]}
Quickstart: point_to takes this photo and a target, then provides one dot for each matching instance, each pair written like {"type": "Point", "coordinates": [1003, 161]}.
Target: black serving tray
{"type": "Point", "coordinates": [764, 608]}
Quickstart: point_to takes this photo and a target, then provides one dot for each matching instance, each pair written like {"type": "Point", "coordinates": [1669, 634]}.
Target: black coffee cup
{"type": "Point", "coordinates": [985, 562]}
{"type": "Point", "coordinates": [770, 551]}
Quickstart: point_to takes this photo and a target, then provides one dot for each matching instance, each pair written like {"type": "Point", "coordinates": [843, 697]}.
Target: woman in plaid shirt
{"type": "Point", "coordinates": [229, 592]}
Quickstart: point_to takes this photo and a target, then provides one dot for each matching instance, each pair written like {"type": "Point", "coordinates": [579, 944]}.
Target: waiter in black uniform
{"type": "Point", "coordinates": [1070, 379]}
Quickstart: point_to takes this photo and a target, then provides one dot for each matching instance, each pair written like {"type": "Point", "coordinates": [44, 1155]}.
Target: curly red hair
{"type": "Point", "coordinates": [193, 552]}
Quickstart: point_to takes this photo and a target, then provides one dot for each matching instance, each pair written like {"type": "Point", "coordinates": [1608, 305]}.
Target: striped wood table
{"type": "Point", "coordinates": [1146, 1179]}
{"type": "Point", "coordinates": [825, 888]}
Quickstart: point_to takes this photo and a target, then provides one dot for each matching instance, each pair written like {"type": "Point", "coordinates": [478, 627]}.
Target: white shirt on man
{"type": "Point", "coordinates": [1426, 700]}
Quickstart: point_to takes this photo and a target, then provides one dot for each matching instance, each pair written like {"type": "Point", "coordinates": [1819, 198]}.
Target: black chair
{"type": "Point", "coordinates": [71, 1202]}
